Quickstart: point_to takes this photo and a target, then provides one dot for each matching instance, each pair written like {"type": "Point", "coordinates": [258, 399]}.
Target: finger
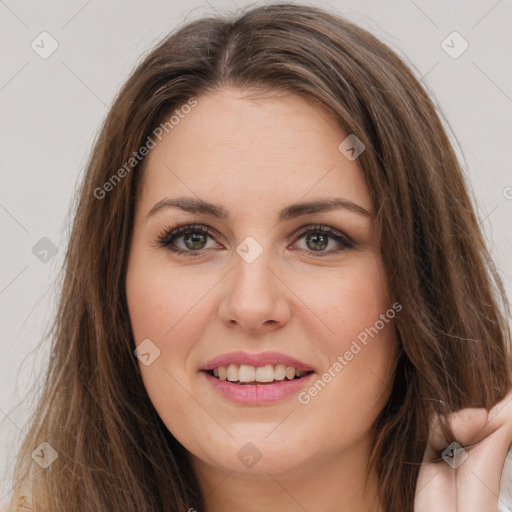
{"type": "Point", "coordinates": [480, 478]}
{"type": "Point", "coordinates": [499, 417]}
{"type": "Point", "coordinates": [471, 425]}
{"type": "Point", "coordinates": [465, 424]}
{"type": "Point", "coordinates": [436, 490]}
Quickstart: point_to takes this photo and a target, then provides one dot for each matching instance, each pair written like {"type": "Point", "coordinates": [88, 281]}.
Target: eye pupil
{"type": "Point", "coordinates": [318, 239]}
{"type": "Point", "coordinates": [194, 238]}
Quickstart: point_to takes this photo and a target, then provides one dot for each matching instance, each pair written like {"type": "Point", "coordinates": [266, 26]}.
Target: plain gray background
{"type": "Point", "coordinates": [52, 108]}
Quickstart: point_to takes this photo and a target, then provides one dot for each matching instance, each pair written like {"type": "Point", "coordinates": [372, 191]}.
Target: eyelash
{"type": "Point", "coordinates": [169, 235]}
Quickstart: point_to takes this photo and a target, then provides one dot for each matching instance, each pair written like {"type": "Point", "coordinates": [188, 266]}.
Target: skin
{"type": "Point", "coordinates": [473, 483]}
{"type": "Point", "coordinates": [254, 157]}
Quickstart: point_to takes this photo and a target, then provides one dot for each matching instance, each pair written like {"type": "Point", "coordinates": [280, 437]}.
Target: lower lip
{"type": "Point", "coordinates": [249, 394]}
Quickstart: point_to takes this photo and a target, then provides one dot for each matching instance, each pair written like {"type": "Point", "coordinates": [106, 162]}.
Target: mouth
{"type": "Point", "coordinates": [258, 379]}
{"type": "Point", "coordinates": [243, 374]}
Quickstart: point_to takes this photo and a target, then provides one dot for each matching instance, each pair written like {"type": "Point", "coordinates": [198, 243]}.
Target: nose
{"type": "Point", "coordinates": [255, 299]}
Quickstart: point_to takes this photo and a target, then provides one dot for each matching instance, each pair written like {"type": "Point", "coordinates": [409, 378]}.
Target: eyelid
{"type": "Point", "coordinates": [169, 233]}
{"type": "Point", "coordinates": [322, 228]}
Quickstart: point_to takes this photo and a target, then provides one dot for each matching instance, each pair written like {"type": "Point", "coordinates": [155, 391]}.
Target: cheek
{"type": "Point", "coordinates": [345, 302]}
{"type": "Point", "coordinates": [359, 342]}
{"type": "Point", "coordinates": [166, 308]}
{"type": "Point", "coordinates": [163, 303]}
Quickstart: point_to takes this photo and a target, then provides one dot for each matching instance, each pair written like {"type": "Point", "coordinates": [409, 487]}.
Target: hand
{"type": "Point", "coordinates": [473, 484]}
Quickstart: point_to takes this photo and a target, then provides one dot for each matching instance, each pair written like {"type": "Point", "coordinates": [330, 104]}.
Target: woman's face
{"type": "Point", "coordinates": [262, 284]}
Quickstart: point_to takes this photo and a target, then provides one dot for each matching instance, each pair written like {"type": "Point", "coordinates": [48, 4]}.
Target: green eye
{"type": "Point", "coordinates": [192, 239]}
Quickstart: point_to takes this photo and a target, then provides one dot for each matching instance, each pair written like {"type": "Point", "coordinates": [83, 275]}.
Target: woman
{"type": "Point", "coordinates": [276, 292]}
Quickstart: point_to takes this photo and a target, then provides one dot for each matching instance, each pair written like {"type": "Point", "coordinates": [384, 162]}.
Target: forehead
{"type": "Point", "coordinates": [238, 147]}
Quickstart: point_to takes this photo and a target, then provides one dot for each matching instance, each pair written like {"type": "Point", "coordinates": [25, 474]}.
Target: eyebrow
{"type": "Point", "coordinates": [193, 205]}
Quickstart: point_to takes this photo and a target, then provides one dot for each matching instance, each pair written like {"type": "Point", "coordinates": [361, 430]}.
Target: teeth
{"type": "Point", "coordinates": [280, 372]}
{"type": "Point", "coordinates": [223, 372]}
{"type": "Point", "coordinates": [247, 373]}
{"type": "Point", "coordinates": [232, 374]}
{"type": "Point", "coordinates": [290, 372]}
{"type": "Point", "coordinates": [265, 373]}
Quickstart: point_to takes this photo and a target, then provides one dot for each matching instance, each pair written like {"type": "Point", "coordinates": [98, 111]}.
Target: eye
{"type": "Point", "coordinates": [319, 237]}
{"type": "Point", "coordinates": [192, 239]}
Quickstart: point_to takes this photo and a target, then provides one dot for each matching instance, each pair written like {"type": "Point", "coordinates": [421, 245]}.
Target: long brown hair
{"type": "Point", "coordinates": [114, 452]}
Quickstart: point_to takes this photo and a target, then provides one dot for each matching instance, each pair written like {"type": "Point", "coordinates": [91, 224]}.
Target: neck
{"type": "Point", "coordinates": [333, 483]}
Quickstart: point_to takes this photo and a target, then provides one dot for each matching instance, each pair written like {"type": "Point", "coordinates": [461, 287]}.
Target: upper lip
{"type": "Point", "coordinates": [261, 359]}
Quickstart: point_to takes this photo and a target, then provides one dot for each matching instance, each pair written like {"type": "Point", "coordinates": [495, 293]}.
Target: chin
{"type": "Point", "coordinates": [257, 460]}
{"type": "Point", "coordinates": [249, 451]}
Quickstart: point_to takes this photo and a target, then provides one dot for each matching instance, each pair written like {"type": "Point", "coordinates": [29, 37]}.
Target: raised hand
{"type": "Point", "coordinates": [466, 478]}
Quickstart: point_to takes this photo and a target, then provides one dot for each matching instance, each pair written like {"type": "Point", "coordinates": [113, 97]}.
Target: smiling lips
{"type": "Point", "coordinates": [254, 379]}
{"type": "Point", "coordinates": [263, 368]}
{"type": "Point", "coordinates": [244, 373]}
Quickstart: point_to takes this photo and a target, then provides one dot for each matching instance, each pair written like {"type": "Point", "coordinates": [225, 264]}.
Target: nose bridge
{"type": "Point", "coordinates": [252, 278]}
{"type": "Point", "coordinates": [255, 297]}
